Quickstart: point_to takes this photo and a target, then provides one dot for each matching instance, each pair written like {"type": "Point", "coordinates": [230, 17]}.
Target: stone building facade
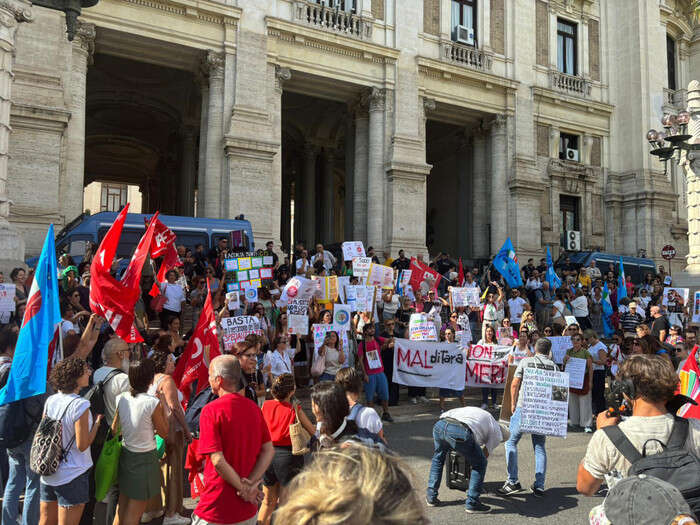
{"type": "Point", "coordinates": [424, 125]}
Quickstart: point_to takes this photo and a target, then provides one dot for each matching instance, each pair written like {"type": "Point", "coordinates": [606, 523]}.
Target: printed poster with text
{"type": "Point", "coordinates": [236, 329]}
{"type": "Point", "coordinates": [428, 364]}
{"type": "Point", "coordinates": [545, 402]}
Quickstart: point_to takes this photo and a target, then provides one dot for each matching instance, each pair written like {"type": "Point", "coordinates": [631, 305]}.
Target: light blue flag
{"type": "Point", "coordinates": [608, 329]}
{"type": "Point", "coordinates": [552, 277]}
{"type": "Point", "coordinates": [621, 283]}
{"type": "Point", "coordinates": [506, 262]}
{"type": "Point", "coordinates": [27, 376]}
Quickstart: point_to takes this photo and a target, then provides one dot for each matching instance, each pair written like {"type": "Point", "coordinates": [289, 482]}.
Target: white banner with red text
{"type": "Point", "coordinates": [487, 366]}
{"type": "Point", "coordinates": [429, 364]}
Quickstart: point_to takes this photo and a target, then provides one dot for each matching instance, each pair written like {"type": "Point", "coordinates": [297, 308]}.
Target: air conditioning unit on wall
{"type": "Point", "coordinates": [572, 154]}
{"type": "Point", "coordinates": [572, 241]}
{"type": "Point", "coordinates": [464, 35]}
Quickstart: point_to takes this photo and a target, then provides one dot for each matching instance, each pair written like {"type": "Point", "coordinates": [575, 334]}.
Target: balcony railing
{"type": "Point", "coordinates": [332, 19]}
{"type": "Point", "coordinates": [569, 84]}
{"type": "Point", "coordinates": [465, 55]}
{"type": "Point", "coordinates": [677, 99]}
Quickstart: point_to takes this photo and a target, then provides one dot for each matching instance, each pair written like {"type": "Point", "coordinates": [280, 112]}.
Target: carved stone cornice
{"type": "Point", "coordinates": [375, 99]}
{"type": "Point", "coordinates": [429, 104]}
{"type": "Point", "coordinates": [18, 11]}
{"type": "Point", "coordinates": [84, 39]}
{"type": "Point", "coordinates": [282, 74]}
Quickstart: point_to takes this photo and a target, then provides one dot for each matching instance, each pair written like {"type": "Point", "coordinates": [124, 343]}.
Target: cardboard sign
{"type": "Point", "coordinates": [233, 300]}
{"type": "Point", "coordinates": [421, 328]}
{"type": "Point", "coordinates": [360, 266]}
{"type": "Point", "coordinates": [236, 329]}
{"type": "Point", "coordinates": [428, 364]}
{"type": "Point", "coordinates": [319, 333]}
{"type": "Point", "coordinates": [380, 275]}
{"type": "Point", "coordinates": [297, 288]}
{"type": "Point", "coordinates": [298, 324]}
{"type": "Point", "coordinates": [342, 283]}
{"type": "Point", "coordinates": [487, 366]}
{"type": "Point", "coordinates": [298, 307]}
{"type": "Point", "coordinates": [326, 288]}
{"type": "Point", "coordinates": [545, 402]}
{"type": "Point", "coordinates": [7, 301]}
{"type": "Point", "coordinates": [251, 294]}
{"type": "Point", "coordinates": [353, 249]}
{"type": "Point", "coordinates": [465, 297]}
{"type": "Point", "coordinates": [342, 317]}
{"type": "Point", "coordinates": [576, 368]}
{"type": "Point", "coordinates": [560, 344]}
{"type": "Point", "coordinates": [363, 297]}
{"type": "Point", "coordinates": [507, 401]}
{"type": "Point", "coordinates": [696, 308]}
{"type": "Point", "coordinates": [675, 299]}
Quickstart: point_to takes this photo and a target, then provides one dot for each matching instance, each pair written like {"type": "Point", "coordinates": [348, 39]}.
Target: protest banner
{"type": "Point", "coordinates": [560, 344]}
{"type": "Point", "coordinates": [297, 288]}
{"type": "Point", "coordinates": [235, 329]}
{"type": "Point", "coordinates": [353, 249]}
{"type": "Point", "coordinates": [423, 273]}
{"type": "Point", "coordinates": [319, 333]}
{"type": "Point", "coordinates": [421, 328]}
{"type": "Point", "coordinates": [298, 307]}
{"type": "Point", "coordinates": [326, 288]}
{"type": "Point", "coordinates": [675, 299]}
{"type": "Point", "coordinates": [7, 302]}
{"type": "Point", "coordinates": [696, 308]}
{"type": "Point", "coordinates": [360, 266]}
{"type": "Point", "coordinates": [466, 296]}
{"type": "Point", "coordinates": [576, 368]}
{"type": "Point", "coordinates": [487, 366]}
{"type": "Point", "coordinates": [298, 324]}
{"type": "Point", "coordinates": [429, 364]}
{"type": "Point", "coordinates": [545, 402]}
{"type": "Point", "coordinates": [342, 316]}
{"type": "Point", "coordinates": [380, 275]}
{"type": "Point", "coordinates": [363, 297]}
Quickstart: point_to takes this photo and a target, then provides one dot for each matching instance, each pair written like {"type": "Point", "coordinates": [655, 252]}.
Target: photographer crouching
{"type": "Point", "coordinates": [652, 440]}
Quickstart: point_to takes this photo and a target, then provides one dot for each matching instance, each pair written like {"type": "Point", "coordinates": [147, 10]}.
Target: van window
{"type": "Point", "coordinates": [191, 239]}
{"type": "Point", "coordinates": [128, 241]}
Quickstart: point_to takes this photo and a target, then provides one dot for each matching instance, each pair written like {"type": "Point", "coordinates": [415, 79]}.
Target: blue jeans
{"type": "Point", "coordinates": [450, 436]}
{"type": "Point", "coordinates": [326, 377]}
{"type": "Point", "coordinates": [21, 478]}
{"type": "Point", "coordinates": [378, 385]}
{"type": "Point", "coordinates": [512, 452]}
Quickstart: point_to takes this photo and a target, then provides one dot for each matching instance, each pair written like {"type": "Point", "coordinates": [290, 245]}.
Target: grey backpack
{"type": "Point", "coordinates": [674, 464]}
{"type": "Point", "coordinates": [47, 446]}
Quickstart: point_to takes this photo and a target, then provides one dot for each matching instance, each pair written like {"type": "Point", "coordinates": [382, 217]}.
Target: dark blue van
{"type": "Point", "coordinates": [190, 231]}
{"type": "Point", "coordinates": [635, 267]}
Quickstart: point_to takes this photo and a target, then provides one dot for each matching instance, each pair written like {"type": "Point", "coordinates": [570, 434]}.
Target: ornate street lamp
{"type": "Point", "coordinates": [674, 139]}
{"type": "Point", "coordinates": [71, 8]}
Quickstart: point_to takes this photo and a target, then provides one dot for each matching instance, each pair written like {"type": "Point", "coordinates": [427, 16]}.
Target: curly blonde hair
{"type": "Point", "coordinates": [355, 485]}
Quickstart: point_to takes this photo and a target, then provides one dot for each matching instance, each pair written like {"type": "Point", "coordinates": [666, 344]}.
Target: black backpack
{"type": "Point", "coordinates": [96, 394]}
{"type": "Point", "coordinates": [194, 409]}
{"type": "Point", "coordinates": [17, 423]}
{"type": "Point", "coordinates": [674, 464]}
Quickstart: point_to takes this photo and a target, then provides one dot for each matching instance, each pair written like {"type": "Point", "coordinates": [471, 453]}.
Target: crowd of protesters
{"type": "Point", "coordinates": [246, 461]}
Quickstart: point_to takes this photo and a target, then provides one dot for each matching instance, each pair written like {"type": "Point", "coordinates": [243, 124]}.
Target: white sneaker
{"type": "Point", "coordinates": [484, 406]}
{"type": "Point", "coordinates": [147, 517]}
{"type": "Point", "coordinates": [423, 399]}
{"type": "Point", "coordinates": [588, 430]}
{"type": "Point", "coordinates": [414, 401]}
{"type": "Point", "coordinates": [176, 519]}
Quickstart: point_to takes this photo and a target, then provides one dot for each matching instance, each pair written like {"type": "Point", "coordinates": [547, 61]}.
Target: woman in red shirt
{"type": "Point", "coordinates": [279, 413]}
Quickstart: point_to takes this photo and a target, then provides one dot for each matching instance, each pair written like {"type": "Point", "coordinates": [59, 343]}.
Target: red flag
{"type": "Point", "coordinates": [163, 245]}
{"type": "Point", "coordinates": [689, 385]}
{"type": "Point", "coordinates": [419, 272]}
{"type": "Point", "coordinates": [460, 277]}
{"type": "Point", "coordinates": [112, 299]}
{"type": "Point", "coordinates": [193, 365]}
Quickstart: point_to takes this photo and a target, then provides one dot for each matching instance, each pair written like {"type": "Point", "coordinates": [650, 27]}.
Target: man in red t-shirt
{"type": "Point", "coordinates": [235, 439]}
{"type": "Point", "coordinates": [369, 351]}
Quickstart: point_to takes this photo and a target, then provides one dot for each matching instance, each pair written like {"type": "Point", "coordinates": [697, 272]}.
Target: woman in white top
{"type": "Point", "coordinates": [334, 353]}
{"type": "Point", "coordinates": [560, 310]}
{"type": "Point", "coordinates": [580, 306]}
{"type": "Point", "coordinates": [174, 297]}
{"type": "Point", "coordinates": [65, 492]}
{"type": "Point", "coordinates": [280, 360]}
{"type": "Point", "coordinates": [163, 386]}
{"type": "Point", "coordinates": [138, 417]}
{"type": "Point", "coordinates": [521, 348]}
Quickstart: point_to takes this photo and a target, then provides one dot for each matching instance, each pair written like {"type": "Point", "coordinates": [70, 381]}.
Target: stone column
{"type": "Point", "coordinates": [309, 189]}
{"type": "Point", "coordinates": [465, 188]}
{"type": "Point", "coordinates": [203, 128]}
{"type": "Point", "coordinates": [211, 187]}
{"type": "Point", "coordinates": [187, 173]}
{"type": "Point", "coordinates": [691, 163]}
{"type": "Point", "coordinates": [499, 181]}
{"type": "Point", "coordinates": [375, 170]}
{"type": "Point", "coordinates": [71, 188]}
{"type": "Point", "coordinates": [349, 176]}
{"type": "Point", "coordinates": [479, 203]}
{"type": "Point", "coordinates": [12, 13]}
{"type": "Point", "coordinates": [328, 197]}
{"type": "Point", "coordinates": [359, 204]}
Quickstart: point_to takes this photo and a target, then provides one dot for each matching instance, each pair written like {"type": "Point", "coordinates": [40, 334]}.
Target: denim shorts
{"type": "Point", "coordinates": [75, 492]}
{"type": "Point", "coordinates": [378, 385]}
